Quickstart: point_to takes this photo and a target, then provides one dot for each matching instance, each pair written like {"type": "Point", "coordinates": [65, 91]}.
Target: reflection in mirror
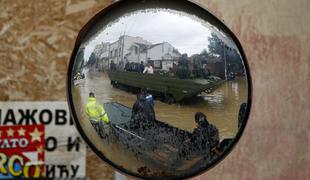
{"type": "Point", "coordinates": [163, 99]}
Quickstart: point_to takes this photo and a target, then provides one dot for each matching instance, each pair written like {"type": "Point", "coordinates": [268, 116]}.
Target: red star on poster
{"type": "Point", "coordinates": [22, 148]}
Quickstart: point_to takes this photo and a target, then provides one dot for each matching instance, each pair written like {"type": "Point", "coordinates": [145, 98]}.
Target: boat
{"type": "Point", "coordinates": [169, 89]}
{"type": "Point", "coordinates": [160, 144]}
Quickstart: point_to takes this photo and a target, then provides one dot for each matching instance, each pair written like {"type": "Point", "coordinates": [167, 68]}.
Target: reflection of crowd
{"type": "Point", "coordinates": [113, 66]}
{"type": "Point", "coordinates": [139, 68]}
{"type": "Point", "coordinates": [134, 67]}
{"type": "Point", "coordinates": [182, 70]}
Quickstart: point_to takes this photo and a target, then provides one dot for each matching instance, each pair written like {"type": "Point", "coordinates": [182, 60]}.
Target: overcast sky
{"type": "Point", "coordinates": [185, 33]}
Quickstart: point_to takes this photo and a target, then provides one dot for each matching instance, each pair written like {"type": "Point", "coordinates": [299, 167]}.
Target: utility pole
{"type": "Point", "coordinates": [123, 44]}
{"type": "Point", "coordinates": [225, 60]}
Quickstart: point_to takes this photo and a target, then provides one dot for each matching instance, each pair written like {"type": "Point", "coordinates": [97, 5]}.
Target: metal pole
{"type": "Point", "coordinates": [225, 61]}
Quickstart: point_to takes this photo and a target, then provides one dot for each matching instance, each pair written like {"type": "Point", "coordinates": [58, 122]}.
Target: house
{"type": "Point", "coordinates": [163, 55]}
{"type": "Point", "coordinates": [135, 49]}
{"type": "Point", "coordinates": [128, 48]}
{"type": "Point", "coordinates": [137, 53]}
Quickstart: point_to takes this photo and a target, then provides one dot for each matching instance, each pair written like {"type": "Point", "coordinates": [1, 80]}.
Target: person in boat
{"type": "Point", "coordinates": [183, 71]}
{"type": "Point", "coordinates": [142, 115]}
{"type": "Point", "coordinates": [141, 67]}
{"type": "Point", "coordinates": [170, 72]}
{"type": "Point", "coordinates": [112, 66]}
{"type": "Point", "coordinates": [150, 102]}
{"type": "Point", "coordinates": [241, 115]}
{"type": "Point", "coordinates": [204, 138]}
{"type": "Point", "coordinates": [205, 133]}
{"type": "Point", "coordinates": [127, 66]}
{"type": "Point", "coordinates": [136, 67]}
{"type": "Point", "coordinates": [148, 69]}
{"type": "Point", "coordinates": [97, 115]}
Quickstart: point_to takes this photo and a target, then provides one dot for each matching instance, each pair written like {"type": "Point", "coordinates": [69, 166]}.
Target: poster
{"type": "Point", "coordinates": [38, 139]}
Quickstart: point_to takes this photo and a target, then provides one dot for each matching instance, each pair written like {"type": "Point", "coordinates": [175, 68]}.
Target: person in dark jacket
{"type": "Point", "coordinates": [183, 68]}
{"type": "Point", "coordinates": [113, 66]}
{"type": "Point", "coordinates": [205, 136]}
{"type": "Point", "coordinates": [241, 115]}
{"type": "Point", "coordinates": [203, 140]}
{"type": "Point", "coordinates": [142, 114]}
{"type": "Point", "coordinates": [127, 66]}
{"type": "Point", "coordinates": [141, 67]}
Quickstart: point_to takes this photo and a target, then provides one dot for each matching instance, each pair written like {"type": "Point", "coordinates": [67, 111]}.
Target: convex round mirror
{"type": "Point", "coordinates": [159, 89]}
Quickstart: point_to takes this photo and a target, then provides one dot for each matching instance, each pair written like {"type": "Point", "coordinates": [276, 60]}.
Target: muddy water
{"type": "Point", "coordinates": [221, 108]}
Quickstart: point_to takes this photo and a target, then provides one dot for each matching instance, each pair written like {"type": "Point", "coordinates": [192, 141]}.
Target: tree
{"type": "Point", "coordinates": [236, 61]}
{"type": "Point", "coordinates": [232, 57]}
{"type": "Point", "coordinates": [216, 45]}
{"type": "Point", "coordinates": [204, 56]}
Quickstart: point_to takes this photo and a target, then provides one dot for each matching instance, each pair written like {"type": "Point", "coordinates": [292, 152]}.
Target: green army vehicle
{"type": "Point", "coordinates": [169, 89]}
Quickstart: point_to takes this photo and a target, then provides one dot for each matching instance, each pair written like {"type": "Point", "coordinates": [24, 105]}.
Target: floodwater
{"type": "Point", "coordinates": [221, 108]}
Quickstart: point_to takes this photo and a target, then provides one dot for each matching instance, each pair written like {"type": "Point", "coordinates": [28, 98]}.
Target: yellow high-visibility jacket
{"type": "Point", "coordinates": [96, 111]}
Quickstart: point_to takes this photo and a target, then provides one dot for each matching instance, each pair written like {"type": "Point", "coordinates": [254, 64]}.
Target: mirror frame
{"type": "Point", "coordinates": [118, 8]}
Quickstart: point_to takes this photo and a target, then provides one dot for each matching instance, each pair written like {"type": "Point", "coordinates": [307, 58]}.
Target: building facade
{"type": "Point", "coordinates": [163, 56]}
{"type": "Point", "coordinates": [135, 50]}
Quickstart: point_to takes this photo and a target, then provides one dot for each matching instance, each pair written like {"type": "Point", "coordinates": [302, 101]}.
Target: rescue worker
{"type": "Point", "coordinates": [150, 102]}
{"type": "Point", "coordinates": [241, 115]}
{"type": "Point", "coordinates": [97, 115]}
{"type": "Point", "coordinates": [141, 67]}
{"type": "Point", "coordinates": [149, 98]}
{"type": "Point", "coordinates": [112, 66]}
{"type": "Point", "coordinates": [127, 66]}
{"type": "Point", "coordinates": [142, 114]}
{"type": "Point", "coordinates": [205, 135]}
{"type": "Point", "coordinates": [148, 69]}
{"type": "Point", "coordinates": [183, 68]}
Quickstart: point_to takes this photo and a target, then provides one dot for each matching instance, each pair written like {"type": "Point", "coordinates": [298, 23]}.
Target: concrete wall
{"type": "Point", "coordinates": [37, 38]}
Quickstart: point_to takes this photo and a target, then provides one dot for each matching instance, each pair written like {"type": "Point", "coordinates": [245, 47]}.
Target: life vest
{"type": "Point", "coordinates": [96, 111]}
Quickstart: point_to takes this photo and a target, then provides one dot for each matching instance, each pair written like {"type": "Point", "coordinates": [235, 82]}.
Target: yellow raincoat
{"type": "Point", "coordinates": [96, 111]}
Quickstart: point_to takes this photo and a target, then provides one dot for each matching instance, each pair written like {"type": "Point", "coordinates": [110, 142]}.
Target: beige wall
{"type": "Point", "coordinates": [276, 38]}
{"type": "Point", "coordinates": [37, 37]}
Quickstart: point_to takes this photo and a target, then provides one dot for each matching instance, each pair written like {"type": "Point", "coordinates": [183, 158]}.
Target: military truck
{"type": "Point", "coordinates": [168, 89]}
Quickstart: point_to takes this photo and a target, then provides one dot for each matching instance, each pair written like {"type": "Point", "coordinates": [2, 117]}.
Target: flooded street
{"type": "Point", "coordinates": [221, 108]}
